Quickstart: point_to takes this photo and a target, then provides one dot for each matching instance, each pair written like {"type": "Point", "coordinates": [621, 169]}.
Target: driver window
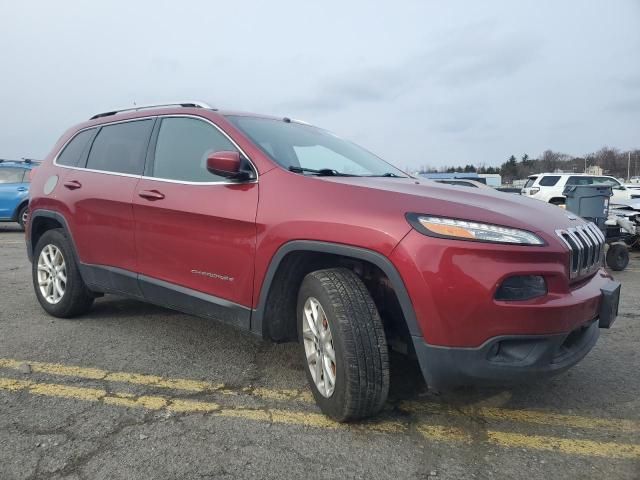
{"type": "Point", "coordinates": [182, 149]}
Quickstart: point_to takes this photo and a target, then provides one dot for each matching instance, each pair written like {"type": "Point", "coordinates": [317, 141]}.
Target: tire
{"type": "Point", "coordinates": [618, 256]}
{"type": "Point", "coordinates": [22, 215]}
{"type": "Point", "coordinates": [557, 201]}
{"type": "Point", "coordinates": [361, 367]}
{"type": "Point", "coordinates": [76, 298]}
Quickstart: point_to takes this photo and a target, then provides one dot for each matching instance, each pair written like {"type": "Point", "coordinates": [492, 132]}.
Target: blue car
{"type": "Point", "coordinates": [14, 190]}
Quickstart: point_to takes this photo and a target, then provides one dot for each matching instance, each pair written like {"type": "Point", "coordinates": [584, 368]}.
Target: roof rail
{"type": "Point", "coordinates": [142, 107]}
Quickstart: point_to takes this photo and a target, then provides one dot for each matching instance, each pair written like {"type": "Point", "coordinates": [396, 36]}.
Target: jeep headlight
{"type": "Point", "coordinates": [469, 230]}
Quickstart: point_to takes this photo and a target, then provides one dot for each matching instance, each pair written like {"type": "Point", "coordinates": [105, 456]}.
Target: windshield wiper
{"type": "Point", "coordinates": [322, 172]}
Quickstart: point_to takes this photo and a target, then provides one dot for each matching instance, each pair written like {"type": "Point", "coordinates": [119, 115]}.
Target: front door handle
{"type": "Point", "coordinates": [151, 194]}
{"type": "Point", "coordinates": [72, 184]}
{"type": "Point", "coordinates": [22, 189]}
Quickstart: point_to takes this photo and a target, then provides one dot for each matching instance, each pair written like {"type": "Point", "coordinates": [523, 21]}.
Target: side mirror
{"type": "Point", "coordinates": [226, 164]}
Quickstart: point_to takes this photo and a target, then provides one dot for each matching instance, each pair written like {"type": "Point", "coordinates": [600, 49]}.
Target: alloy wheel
{"type": "Point", "coordinates": [52, 274]}
{"type": "Point", "coordinates": [318, 347]}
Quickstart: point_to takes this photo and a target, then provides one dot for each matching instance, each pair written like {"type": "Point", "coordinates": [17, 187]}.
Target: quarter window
{"type": "Point", "coordinates": [121, 147]}
{"type": "Point", "coordinates": [607, 181]}
{"type": "Point", "coordinates": [11, 175]}
{"type": "Point", "coordinates": [549, 180]}
{"type": "Point", "coordinates": [75, 149]}
{"type": "Point", "coordinates": [183, 147]}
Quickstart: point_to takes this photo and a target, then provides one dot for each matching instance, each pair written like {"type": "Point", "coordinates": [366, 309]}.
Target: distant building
{"type": "Point", "coordinates": [594, 170]}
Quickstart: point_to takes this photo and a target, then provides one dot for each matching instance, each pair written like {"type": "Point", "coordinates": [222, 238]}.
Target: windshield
{"type": "Point", "coordinates": [311, 150]}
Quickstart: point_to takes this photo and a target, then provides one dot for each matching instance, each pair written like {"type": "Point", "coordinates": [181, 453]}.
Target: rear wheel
{"type": "Point", "coordinates": [618, 256]}
{"type": "Point", "coordinates": [56, 278]}
{"type": "Point", "coordinates": [557, 201]}
{"type": "Point", "coordinates": [344, 345]}
{"type": "Point", "coordinates": [23, 215]}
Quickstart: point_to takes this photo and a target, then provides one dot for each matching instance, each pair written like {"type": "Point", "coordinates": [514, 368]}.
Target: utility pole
{"type": "Point", "coordinates": [628, 165]}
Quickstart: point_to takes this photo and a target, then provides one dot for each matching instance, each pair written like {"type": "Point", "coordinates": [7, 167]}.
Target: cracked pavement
{"type": "Point", "coordinates": [263, 424]}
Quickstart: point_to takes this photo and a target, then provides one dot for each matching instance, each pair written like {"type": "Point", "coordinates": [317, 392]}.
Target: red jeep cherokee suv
{"type": "Point", "coordinates": [291, 232]}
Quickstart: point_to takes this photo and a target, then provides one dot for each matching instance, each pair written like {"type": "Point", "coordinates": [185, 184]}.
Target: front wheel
{"type": "Point", "coordinates": [344, 345]}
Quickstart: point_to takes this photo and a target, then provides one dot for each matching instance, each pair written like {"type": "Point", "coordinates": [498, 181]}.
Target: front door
{"type": "Point", "coordinates": [195, 231]}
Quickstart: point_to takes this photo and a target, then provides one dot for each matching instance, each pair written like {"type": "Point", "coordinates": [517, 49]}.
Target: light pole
{"type": "Point", "coordinates": [629, 166]}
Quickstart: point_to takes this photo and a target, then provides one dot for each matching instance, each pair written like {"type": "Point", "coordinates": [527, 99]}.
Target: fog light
{"type": "Point", "coordinates": [522, 287]}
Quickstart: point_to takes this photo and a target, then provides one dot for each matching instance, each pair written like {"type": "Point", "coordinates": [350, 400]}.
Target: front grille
{"type": "Point", "coordinates": [586, 245]}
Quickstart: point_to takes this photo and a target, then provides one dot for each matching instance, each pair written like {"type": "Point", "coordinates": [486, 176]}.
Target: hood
{"type": "Point", "coordinates": [477, 204]}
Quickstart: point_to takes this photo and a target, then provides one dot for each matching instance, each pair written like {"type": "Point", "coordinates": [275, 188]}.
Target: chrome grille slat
{"type": "Point", "coordinates": [586, 247]}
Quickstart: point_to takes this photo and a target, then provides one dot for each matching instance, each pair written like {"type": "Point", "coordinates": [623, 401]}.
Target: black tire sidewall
{"type": "Point", "coordinates": [334, 405]}
{"type": "Point", "coordinates": [618, 257]}
{"type": "Point", "coordinates": [20, 215]}
{"type": "Point", "coordinates": [63, 307]}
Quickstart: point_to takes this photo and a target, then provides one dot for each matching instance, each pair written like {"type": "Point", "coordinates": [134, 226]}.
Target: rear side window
{"type": "Point", "coordinates": [530, 182]}
{"type": "Point", "coordinates": [607, 181]}
{"type": "Point", "coordinates": [11, 175]}
{"type": "Point", "coordinates": [183, 147]}
{"type": "Point", "coordinates": [121, 147]}
{"type": "Point", "coordinates": [75, 149]}
{"type": "Point", "coordinates": [580, 181]}
{"type": "Point", "coordinates": [549, 180]}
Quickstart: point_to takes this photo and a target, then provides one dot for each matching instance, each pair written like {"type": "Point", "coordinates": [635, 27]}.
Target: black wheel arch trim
{"type": "Point", "coordinates": [55, 216]}
{"type": "Point", "coordinates": [377, 259]}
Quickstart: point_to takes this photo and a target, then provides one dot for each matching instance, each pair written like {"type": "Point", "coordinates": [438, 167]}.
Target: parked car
{"type": "Point", "coordinates": [14, 190]}
{"type": "Point", "coordinates": [288, 231]}
{"type": "Point", "coordinates": [548, 187]}
{"type": "Point", "coordinates": [462, 183]}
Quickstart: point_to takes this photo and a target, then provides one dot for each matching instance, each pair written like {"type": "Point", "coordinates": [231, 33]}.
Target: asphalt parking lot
{"type": "Point", "coordinates": [135, 391]}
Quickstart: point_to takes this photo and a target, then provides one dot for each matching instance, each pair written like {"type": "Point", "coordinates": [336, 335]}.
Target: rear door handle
{"type": "Point", "coordinates": [151, 194]}
{"type": "Point", "coordinates": [72, 184]}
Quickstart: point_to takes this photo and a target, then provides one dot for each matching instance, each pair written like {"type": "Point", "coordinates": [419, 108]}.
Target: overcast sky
{"type": "Point", "coordinates": [419, 83]}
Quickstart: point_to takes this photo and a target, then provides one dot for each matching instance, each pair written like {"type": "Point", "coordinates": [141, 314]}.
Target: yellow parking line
{"type": "Point", "coordinates": [197, 386]}
{"type": "Point", "coordinates": [430, 432]}
{"type": "Point", "coordinates": [526, 416]}
{"type": "Point", "coordinates": [564, 445]}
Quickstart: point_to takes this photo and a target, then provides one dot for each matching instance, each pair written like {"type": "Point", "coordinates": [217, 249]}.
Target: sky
{"type": "Point", "coordinates": [417, 82]}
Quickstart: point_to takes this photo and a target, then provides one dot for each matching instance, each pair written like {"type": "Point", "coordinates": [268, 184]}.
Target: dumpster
{"type": "Point", "coordinates": [589, 201]}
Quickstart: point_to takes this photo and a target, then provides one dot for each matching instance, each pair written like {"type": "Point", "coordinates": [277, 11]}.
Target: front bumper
{"type": "Point", "coordinates": [504, 359]}
{"type": "Point", "coordinates": [515, 358]}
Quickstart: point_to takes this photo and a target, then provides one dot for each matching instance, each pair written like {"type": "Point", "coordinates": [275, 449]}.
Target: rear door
{"type": "Point", "coordinates": [195, 231]}
{"type": "Point", "coordinates": [99, 193]}
{"type": "Point", "coordinates": [12, 190]}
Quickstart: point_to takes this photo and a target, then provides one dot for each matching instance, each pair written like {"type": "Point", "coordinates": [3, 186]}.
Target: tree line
{"type": "Point", "coordinates": [612, 161]}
